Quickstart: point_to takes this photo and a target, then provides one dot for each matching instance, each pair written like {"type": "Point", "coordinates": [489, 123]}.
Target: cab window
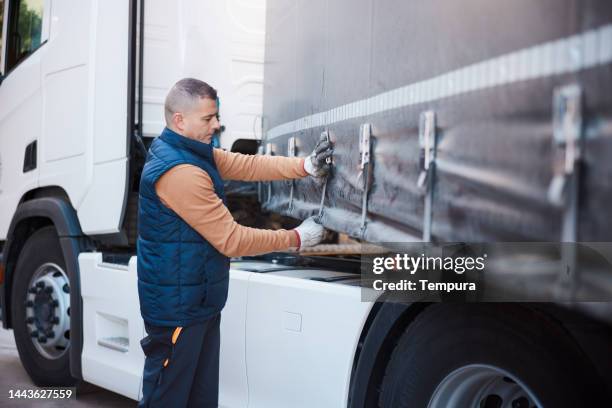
{"type": "Point", "coordinates": [24, 30]}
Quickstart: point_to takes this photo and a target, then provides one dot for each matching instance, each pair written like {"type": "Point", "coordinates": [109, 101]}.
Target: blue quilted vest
{"type": "Point", "coordinates": [182, 279]}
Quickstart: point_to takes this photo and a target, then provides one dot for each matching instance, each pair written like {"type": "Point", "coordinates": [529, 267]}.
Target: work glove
{"type": "Point", "coordinates": [318, 164]}
{"type": "Point", "coordinates": [309, 232]}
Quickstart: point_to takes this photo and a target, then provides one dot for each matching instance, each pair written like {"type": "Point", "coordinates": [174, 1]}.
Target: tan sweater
{"type": "Point", "coordinates": [189, 192]}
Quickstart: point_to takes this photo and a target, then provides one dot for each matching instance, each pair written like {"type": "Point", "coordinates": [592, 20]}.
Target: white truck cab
{"type": "Point", "coordinates": [71, 87]}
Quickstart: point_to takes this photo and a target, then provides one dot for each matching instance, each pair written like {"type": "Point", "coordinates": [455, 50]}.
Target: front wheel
{"type": "Point", "coordinates": [486, 356]}
{"type": "Point", "coordinates": [41, 310]}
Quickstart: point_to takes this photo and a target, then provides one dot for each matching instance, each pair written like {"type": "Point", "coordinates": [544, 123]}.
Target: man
{"type": "Point", "coordinates": [186, 236]}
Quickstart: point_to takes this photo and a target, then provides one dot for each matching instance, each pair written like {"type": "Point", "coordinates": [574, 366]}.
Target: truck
{"type": "Point", "coordinates": [450, 121]}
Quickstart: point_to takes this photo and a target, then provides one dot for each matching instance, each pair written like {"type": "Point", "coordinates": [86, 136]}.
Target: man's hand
{"type": "Point", "coordinates": [318, 163]}
{"type": "Point", "coordinates": [309, 232]}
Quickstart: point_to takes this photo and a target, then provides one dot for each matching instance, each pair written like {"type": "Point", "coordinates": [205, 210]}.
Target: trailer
{"type": "Point", "coordinates": [468, 122]}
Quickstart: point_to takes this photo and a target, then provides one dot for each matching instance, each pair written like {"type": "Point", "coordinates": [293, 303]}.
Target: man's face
{"type": "Point", "coordinates": [200, 123]}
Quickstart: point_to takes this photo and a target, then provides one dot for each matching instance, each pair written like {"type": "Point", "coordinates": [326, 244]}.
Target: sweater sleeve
{"type": "Point", "coordinates": [245, 167]}
{"type": "Point", "coordinates": [189, 192]}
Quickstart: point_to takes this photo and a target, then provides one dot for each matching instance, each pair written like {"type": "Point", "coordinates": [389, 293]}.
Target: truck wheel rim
{"type": "Point", "coordinates": [48, 311]}
{"type": "Point", "coordinates": [482, 386]}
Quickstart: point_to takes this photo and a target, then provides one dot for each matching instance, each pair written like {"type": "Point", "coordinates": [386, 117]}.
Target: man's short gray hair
{"type": "Point", "coordinates": [184, 95]}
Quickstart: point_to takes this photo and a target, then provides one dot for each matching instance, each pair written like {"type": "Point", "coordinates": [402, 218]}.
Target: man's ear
{"type": "Point", "coordinates": [177, 121]}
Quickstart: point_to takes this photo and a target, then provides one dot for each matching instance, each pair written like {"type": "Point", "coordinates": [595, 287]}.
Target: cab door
{"type": "Point", "coordinates": [25, 28]}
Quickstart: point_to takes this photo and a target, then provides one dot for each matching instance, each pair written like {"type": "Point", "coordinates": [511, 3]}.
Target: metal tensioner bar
{"type": "Point", "coordinates": [428, 143]}
{"type": "Point", "coordinates": [325, 135]}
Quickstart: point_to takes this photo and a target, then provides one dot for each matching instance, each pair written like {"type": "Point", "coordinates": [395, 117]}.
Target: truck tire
{"type": "Point", "coordinates": [41, 310]}
{"type": "Point", "coordinates": [486, 355]}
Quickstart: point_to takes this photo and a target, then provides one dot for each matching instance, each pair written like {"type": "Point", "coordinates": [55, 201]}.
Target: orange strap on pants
{"type": "Point", "coordinates": [175, 336]}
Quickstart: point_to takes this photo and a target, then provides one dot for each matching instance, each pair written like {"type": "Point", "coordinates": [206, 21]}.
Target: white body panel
{"type": "Point", "coordinates": [232, 365]}
{"type": "Point", "coordinates": [301, 339]}
{"type": "Point", "coordinates": [85, 77]}
{"type": "Point", "coordinates": [286, 340]}
{"type": "Point", "coordinates": [111, 312]}
{"type": "Point", "coordinates": [219, 42]}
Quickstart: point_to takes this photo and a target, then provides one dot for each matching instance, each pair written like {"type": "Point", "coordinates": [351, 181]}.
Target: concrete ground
{"type": "Point", "coordinates": [14, 377]}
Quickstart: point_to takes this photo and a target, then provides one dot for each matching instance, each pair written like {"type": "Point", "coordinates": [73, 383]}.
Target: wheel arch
{"type": "Point", "coordinates": [34, 212]}
{"type": "Point", "coordinates": [384, 325]}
